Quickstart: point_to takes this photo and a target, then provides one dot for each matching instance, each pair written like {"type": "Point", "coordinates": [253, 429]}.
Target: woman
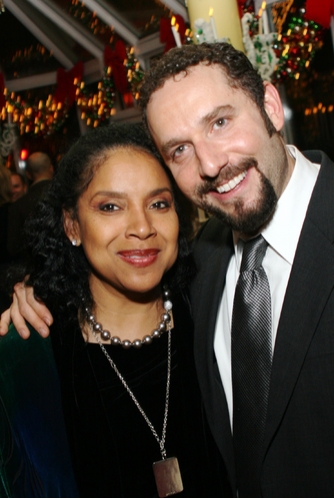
{"type": "Point", "coordinates": [113, 391]}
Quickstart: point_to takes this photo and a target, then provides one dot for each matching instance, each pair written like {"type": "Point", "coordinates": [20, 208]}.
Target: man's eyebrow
{"type": "Point", "coordinates": [215, 113]}
{"type": "Point", "coordinates": [167, 146]}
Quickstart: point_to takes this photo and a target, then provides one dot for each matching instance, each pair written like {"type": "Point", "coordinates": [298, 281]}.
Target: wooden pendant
{"type": "Point", "coordinates": [168, 477]}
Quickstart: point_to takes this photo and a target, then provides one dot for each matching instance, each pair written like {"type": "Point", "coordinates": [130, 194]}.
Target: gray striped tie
{"type": "Point", "coordinates": [251, 365]}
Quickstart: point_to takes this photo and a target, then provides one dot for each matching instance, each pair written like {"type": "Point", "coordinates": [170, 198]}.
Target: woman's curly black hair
{"type": "Point", "coordinates": [58, 271]}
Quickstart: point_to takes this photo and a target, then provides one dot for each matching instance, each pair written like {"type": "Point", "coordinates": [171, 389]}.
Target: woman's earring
{"type": "Point", "coordinates": [74, 242]}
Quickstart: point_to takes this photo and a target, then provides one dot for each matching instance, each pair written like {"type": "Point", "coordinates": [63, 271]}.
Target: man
{"type": "Point", "coordinates": [19, 185]}
{"type": "Point", "coordinates": [40, 172]}
{"type": "Point", "coordinates": [217, 126]}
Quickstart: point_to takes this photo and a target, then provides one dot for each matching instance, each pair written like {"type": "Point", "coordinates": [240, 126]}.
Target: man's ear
{"type": "Point", "coordinates": [273, 105]}
{"type": "Point", "coordinates": [71, 228]}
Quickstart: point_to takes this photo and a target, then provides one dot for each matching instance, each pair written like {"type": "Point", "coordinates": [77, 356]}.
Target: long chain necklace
{"type": "Point", "coordinates": [167, 472]}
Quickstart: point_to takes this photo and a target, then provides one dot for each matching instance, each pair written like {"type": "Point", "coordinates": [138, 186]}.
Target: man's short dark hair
{"type": "Point", "coordinates": [237, 68]}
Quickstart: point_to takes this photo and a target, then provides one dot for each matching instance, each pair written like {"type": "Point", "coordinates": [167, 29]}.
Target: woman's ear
{"type": "Point", "coordinates": [273, 105]}
{"type": "Point", "coordinates": [71, 228]}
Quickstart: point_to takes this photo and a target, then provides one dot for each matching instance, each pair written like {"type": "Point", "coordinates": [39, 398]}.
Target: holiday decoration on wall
{"type": "Point", "coordinates": [297, 45]}
{"type": "Point", "coordinates": [66, 88]}
{"type": "Point", "coordinates": [280, 49]}
{"type": "Point", "coordinates": [8, 137]}
{"type": "Point", "coordinates": [39, 117]}
{"type": "Point", "coordinates": [96, 107]}
{"type": "Point", "coordinates": [122, 72]}
{"type": "Point", "coordinates": [259, 47]}
{"type": "Point", "coordinates": [289, 50]}
{"type": "Point", "coordinates": [89, 19]}
{"type": "Point", "coordinates": [28, 61]}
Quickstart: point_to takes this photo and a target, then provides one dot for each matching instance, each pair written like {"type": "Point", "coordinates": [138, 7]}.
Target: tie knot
{"type": "Point", "coordinates": [253, 254]}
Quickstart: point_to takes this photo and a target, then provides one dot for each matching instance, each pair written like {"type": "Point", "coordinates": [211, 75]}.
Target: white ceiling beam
{"type": "Point", "coordinates": [178, 8]}
{"type": "Point", "coordinates": [50, 39]}
{"type": "Point", "coordinates": [148, 47]}
{"type": "Point", "coordinates": [70, 26]}
{"type": "Point", "coordinates": [92, 73]}
{"type": "Point", "coordinates": [109, 16]}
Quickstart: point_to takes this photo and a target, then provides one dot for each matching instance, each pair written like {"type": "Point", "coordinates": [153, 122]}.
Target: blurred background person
{"type": "Point", "coordinates": [5, 201]}
{"type": "Point", "coordinates": [39, 171]}
{"type": "Point", "coordinates": [19, 185]}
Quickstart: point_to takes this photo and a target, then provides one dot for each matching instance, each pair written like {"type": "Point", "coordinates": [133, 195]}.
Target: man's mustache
{"type": "Point", "coordinates": [226, 174]}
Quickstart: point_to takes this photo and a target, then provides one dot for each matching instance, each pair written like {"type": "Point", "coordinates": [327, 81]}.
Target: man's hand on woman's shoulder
{"type": "Point", "coordinates": [25, 308]}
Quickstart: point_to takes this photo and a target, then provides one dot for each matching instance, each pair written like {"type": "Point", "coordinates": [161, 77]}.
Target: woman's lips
{"type": "Point", "coordinates": [139, 258]}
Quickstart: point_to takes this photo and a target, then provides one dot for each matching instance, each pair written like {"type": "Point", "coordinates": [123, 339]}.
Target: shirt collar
{"type": "Point", "coordinates": [283, 231]}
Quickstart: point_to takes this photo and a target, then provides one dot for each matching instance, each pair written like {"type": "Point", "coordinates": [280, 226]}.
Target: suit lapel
{"type": "Point", "coordinates": [212, 258]}
{"type": "Point", "coordinates": [310, 283]}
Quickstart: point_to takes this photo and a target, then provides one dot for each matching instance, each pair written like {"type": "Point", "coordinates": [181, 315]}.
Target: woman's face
{"type": "Point", "coordinates": [127, 223]}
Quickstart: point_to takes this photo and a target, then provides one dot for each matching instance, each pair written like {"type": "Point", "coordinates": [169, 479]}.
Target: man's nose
{"type": "Point", "coordinates": [211, 159]}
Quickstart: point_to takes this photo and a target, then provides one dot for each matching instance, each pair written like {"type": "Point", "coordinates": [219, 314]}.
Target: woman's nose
{"type": "Point", "coordinates": [140, 225]}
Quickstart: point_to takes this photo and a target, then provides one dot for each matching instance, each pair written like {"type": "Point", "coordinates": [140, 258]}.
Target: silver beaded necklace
{"type": "Point", "coordinates": [115, 340]}
{"type": "Point", "coordinates": [167, 472]}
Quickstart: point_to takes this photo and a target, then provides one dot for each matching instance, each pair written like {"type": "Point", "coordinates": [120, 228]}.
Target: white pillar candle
{"type": "Point", "coordinates": [213, 25]}
{"type": "Point", "coordinates": [176, 34]}
{"type": "Point", "coordinates": [227, 21]}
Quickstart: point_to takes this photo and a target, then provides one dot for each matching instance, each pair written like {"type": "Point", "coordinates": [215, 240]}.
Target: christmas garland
{"type": "Point", "coordinates": [122, 72]}
{"type": "Point", "coordinates": [278, 56]}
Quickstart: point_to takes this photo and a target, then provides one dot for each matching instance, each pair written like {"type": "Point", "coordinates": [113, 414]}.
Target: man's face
{"type": "Point", "coordinates": [214, 140]}
{"type": "Point", "coordinates": [18, 187]}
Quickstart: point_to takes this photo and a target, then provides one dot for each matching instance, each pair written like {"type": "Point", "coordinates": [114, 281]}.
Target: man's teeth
{"type": "Point", "coordinates": [232, 183]}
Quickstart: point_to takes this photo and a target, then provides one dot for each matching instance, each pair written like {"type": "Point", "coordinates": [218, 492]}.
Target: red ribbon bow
{"type": "Point", "coordinates": [319, 11]}
{"type": "Point", "coordinates": [115, 59]}
{"type": "Point", "coordinates": [65, 91]}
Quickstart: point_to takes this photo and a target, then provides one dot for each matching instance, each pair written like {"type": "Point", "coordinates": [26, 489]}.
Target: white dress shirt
{"type": "Point", "coordinates": [282, 235]}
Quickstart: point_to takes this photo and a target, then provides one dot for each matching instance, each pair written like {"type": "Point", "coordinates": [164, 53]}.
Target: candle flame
{"type": "Point", "coordinates": [211, 12]}
{"type": "Point", "coordinates": [262, 8]}
{"type": "Point", "coordinates": [173, 21]}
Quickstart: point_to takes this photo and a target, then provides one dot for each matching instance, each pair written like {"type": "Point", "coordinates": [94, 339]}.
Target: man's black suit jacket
{"type": "Point", "coordinates": [298, 452]}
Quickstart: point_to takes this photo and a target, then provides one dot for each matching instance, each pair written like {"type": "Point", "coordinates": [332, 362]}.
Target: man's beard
{"type": "Point", "coordinates": [249, 220]}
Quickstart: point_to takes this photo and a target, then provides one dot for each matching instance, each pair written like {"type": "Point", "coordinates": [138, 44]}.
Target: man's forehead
{"type": "Point", "coordinates": [195, 74]}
